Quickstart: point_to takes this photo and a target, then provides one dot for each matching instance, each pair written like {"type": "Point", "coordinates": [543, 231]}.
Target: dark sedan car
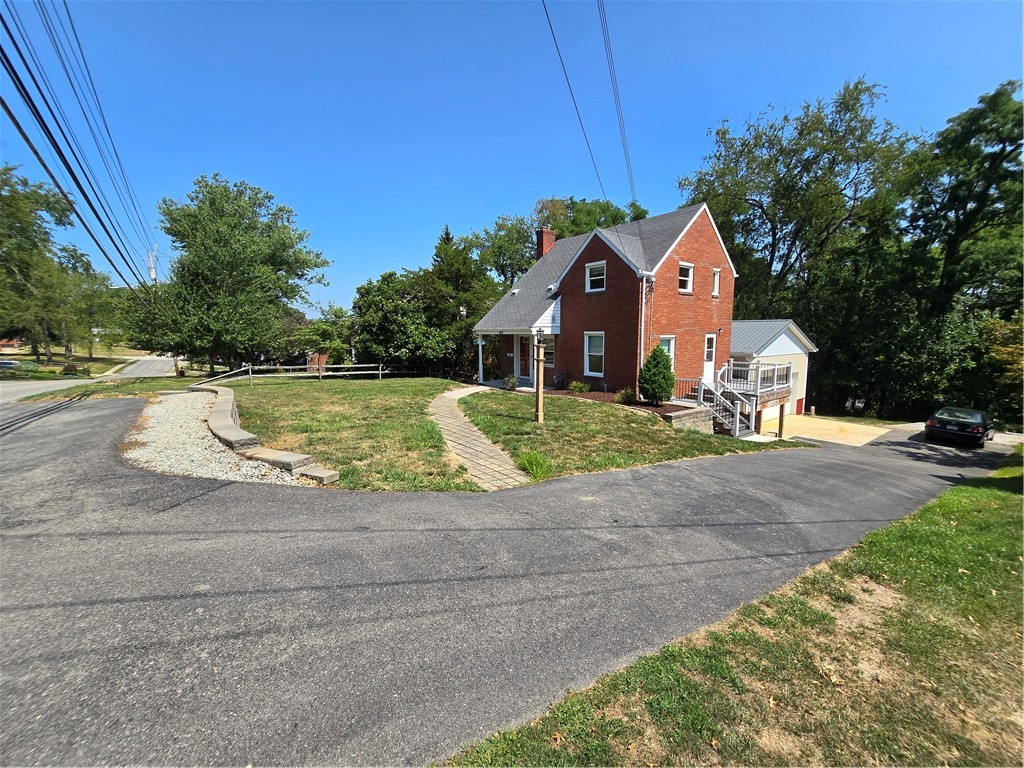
{"type": "Point", "coordinates": [965, 424]}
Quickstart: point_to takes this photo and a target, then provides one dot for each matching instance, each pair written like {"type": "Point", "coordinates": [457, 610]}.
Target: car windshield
{"type": "Point", "coordinates": [960, 414]}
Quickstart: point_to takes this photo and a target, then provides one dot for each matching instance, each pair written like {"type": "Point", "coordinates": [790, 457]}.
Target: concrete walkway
{"type": "Point", "coordinates": [488, 465]}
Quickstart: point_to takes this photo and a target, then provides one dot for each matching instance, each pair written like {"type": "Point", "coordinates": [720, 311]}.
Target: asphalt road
{"type": "Point", "coordinates": [150, 619]}
{"type": "Point", "coordinates": [142, 367]}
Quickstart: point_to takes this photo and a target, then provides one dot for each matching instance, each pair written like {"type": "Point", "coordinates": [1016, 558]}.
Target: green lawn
{"type": "Point", "coordinates": [585, 436]}
{"type": "Point", "coordinates": [905, 651]}
{"type": "Point", "coordinates": [376, 434]}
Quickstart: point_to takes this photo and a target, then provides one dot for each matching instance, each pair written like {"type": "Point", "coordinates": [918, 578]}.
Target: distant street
{"type": "Point", "coordinates": [148, 366]}
{"type": "Point", "coordinates": [141, 367]}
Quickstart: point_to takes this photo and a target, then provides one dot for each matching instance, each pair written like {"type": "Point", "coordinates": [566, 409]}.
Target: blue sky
{"type": "Point", "coordinates": [379, 123]}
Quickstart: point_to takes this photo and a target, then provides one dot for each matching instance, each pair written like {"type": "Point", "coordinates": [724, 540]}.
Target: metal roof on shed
{"type": "Point", "coordinates": [751, 337]}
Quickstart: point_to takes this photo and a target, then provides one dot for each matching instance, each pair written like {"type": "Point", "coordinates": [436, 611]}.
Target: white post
{"type": "Point", "coordinates": [480, 359]}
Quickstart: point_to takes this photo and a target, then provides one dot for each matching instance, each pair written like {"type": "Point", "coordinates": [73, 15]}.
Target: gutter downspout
{"type": "Point", "coordinates": [643, 318]}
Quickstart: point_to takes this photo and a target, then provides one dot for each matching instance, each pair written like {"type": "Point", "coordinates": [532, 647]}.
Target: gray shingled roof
{"type": "Point", "coordinates": [521, 307]}
{"type": "Point", "coordinates": [751, 337]}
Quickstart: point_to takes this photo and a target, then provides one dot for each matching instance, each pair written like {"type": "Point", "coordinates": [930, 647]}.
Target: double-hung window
{"type": "Point", "coordinates": [595, 276]}
{"type": "Point", "coordinates": [593, 353]}
{"type": "Point", "coordinates": [549, 352]}
{"type": "Point", "coordinates": [685, 277]}
{"type": "Point", "coordinates": [668, 343]}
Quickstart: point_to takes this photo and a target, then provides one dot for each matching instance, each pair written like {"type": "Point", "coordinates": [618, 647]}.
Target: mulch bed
{"type": "Point", "coordinates": [609, 397]}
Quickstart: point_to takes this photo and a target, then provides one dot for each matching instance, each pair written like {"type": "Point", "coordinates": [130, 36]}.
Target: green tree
{"type": "Point", "coordinates": [657, 380]}
{"type": "Point", "coordinates": [966, 207]}
{"type": "Point", "coordinates": [508, 247]}
{"type": "Point", "coordinates": [568, 216]}
{"type": "Point", "coordinates": [32, 287]}
{"type": "Point", "coordinates": [788, 189]}
{"type": "Point", "coordinates": [389, 323]}
{"type": "Point", "coordinates": [241, 262]}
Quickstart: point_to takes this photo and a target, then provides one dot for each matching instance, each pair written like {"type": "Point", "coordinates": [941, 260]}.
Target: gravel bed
{"type": "Point", "coordinates": [173, 438]}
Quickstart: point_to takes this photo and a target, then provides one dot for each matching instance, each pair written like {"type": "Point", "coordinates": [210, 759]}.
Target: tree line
{"type": "Point", "coordinates": [898, 254]}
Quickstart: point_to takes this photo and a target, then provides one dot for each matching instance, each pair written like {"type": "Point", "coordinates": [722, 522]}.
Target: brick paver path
{"type": "Point", "coordinates": [488, 465]}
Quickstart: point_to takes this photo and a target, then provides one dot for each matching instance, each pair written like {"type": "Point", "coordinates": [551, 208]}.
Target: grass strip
{"type": "Point", "coordinates": [904, 651]}
{"type": "Point", "coordinates": [584, 436]}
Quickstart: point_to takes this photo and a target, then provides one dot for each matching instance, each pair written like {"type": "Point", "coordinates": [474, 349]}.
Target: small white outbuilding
{"type": "Point", "coordinates": [778, 342]}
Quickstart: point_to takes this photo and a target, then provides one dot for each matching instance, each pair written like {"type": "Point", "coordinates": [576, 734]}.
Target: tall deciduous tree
{"type": "Point", "coordinates": [32, 287]}
{"type": "Point", "coordinates": [241, 261]}
{"type": "Point", "coordinates": [788, 189]}
{"type": "Point", "coordinates": [965, 207]}
{"type": "Point", "coordinates": [508, 247]}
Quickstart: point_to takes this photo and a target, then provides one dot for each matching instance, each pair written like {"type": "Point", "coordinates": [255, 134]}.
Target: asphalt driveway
{"type": "Point", "coordinates": [150, 619]}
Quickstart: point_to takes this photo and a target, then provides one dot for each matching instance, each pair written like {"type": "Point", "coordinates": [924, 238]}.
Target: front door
{"type": "Point", "coordinates": [524, 357]}
{"type": "Point", "coordinates": [709, 358]}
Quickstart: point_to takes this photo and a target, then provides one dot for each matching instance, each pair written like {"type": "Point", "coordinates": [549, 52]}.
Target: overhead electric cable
{"type": "Point", "coordinates": [573, 97]}
{"type": "Point", "coordinates": [48, 133]}
{"type": "Point", "coordinates": [80, 156]}
{"type": "Point", "coordinates": [57, 184]}
{"type": "Point", "coordinates": [67, 61]}
{"type": "Point", "coordinates": [103, 117]}
{"type": "Point", "coordinates": [615, 95]}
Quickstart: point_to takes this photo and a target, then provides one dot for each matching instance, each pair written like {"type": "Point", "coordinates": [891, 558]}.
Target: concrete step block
{"type": "Point", "coordinates": [320, 474]}
{"type": "Point", "coordinates": [283, 459]}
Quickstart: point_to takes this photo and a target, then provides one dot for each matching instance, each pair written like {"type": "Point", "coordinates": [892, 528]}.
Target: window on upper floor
{"type": "Point", "coordinates": [716, 282]}
{"type": "Point", "coordinates": [685, 277]}
{"type": "Point", "coordinates": [595, 276]}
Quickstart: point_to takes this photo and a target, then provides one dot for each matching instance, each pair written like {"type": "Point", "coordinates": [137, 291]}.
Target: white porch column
{"type": "Point", "coordinates": [480, 359]}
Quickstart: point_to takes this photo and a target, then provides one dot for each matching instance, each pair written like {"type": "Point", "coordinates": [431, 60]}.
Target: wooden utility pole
{"type": "Point", "coordinates": [539, 378]}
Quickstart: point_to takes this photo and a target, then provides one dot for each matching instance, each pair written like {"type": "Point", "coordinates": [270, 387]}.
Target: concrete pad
{"type": "Point", "coordinates": [322, 475]}
{"type": "Point", "coordinates": [828, 430]}
{"type": "Point", "coordinates": [282, 459]}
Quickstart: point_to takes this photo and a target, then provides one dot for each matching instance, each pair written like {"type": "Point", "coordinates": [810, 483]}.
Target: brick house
{"type": "Point", "coordinates": [604, 300]}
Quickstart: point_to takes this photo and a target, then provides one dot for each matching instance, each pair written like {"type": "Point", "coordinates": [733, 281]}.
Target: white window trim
{"type": "Point", "coordinates": [587, 287]}
{"type": "Point", "coordinates": [586, 353]}
{"type": "Point", "coordinates": [692, 270]}
{"type": "Point", "coordinates": [672, 353]}
{"type": "Point", "coordinates": [550, 347]}
{"type": "Point", "coordinates": [716, 283]}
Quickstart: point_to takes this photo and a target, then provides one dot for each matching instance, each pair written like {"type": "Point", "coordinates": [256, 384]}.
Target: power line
{"type": "Point", "coordinates": [89, 115]}
{"type": "Point", "coordinates": [573, 96]}
{"type": "Point", "coordinates": [615, 95]}
{"type": "Point", "coordinates": [57, 184]}
{"type": "Point", "coordinates": [48, 134]}
{"type": "Point", "coordinates": [80, 156]}
{"type": "Point", "coordinates": [103, 116]}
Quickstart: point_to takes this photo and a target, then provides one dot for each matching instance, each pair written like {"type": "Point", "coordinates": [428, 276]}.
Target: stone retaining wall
{"type": "Point", "coordinates": [697, 418]}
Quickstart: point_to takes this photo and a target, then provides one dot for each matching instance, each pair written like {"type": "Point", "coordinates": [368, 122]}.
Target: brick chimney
{"type": "Point", "coordinates": [545, 241]}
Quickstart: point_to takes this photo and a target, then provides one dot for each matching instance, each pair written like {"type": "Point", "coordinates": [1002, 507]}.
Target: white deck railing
{"type": "Point", "coordinates": [756, 378]}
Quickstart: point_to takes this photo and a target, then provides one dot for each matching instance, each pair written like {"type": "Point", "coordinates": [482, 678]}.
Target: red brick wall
{"type": "Point", "coordinates": [689, 317]}
{"type": "Point", "coordinates": [616, 311]}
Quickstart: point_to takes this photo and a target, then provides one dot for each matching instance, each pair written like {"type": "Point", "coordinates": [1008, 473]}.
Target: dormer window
{"type": "Point", "coordinates": [685, 277]}
{"type": "Point", "coordinates": [595, 276]}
